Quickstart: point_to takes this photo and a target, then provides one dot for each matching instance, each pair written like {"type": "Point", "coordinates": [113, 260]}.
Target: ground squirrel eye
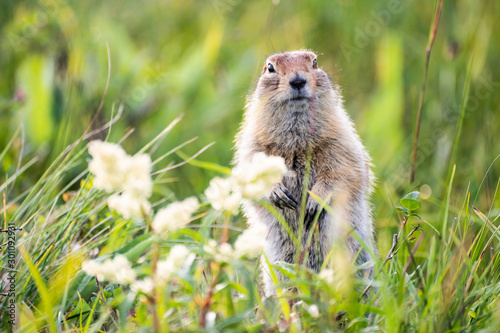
{"type": "Point", "coordinates": [270, 68]}
{"type": "Point", "coordinates": [315, 63]}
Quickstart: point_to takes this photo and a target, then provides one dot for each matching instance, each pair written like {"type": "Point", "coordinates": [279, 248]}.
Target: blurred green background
{"type": "Point", "coordinates": [201, 59]}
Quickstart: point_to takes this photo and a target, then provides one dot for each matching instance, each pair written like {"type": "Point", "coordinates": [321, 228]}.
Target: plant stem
{"type": "Point", "coordinates": [430, 43]}
{"type": "Point", "coordinates": [154, 296]}
{"type": "Point", "coordinates": [225, 230]}
{"type": "Point", "coordinates": [208, 300]}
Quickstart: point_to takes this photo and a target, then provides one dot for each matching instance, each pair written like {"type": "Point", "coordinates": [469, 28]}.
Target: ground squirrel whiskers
{"type": "Point", "coordinates": [295, 109]}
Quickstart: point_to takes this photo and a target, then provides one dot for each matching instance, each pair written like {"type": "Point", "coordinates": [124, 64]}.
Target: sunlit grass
{"type": "Point", "coordinates": [432, 279]}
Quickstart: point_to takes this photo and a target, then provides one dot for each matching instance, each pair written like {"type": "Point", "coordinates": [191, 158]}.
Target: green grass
{"type": "Point", "coordinates": [433, 279]}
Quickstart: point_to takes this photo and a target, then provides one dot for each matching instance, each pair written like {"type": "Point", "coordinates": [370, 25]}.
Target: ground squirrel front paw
{"type": "Point", "coordinates": [281, 197]}
{"type": "Point", "coordinates": [312, 208]}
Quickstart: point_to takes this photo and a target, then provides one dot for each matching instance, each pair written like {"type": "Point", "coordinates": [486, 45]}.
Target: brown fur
{"type": "Point", "coordinates": [285, 121]}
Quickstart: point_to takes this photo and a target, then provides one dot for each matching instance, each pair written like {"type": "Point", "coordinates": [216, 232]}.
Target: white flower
{"type": "Point", "coordinates": [145, 286]}
{"type": "Point", "coordinates": [129, 206]}
{"type": "Point", "coordinates": [94, 268]}
{"type": "Point", "coordinates": [178, 255]}
{"type": "Point", "coordinates": [123, 271]}
{"type": "Point", "coordinates": [177, 258]}
{"type": "Point", "coordinates": [296, 321]}
{"type": "Point", "coordinates": [251, 242]}
{"type": "Point", "coordinates": [175, 215]}
{"type": "Point", "coordinates": [226, 253]}
{"type": "Point", "coordinates": [114, 169]}
{"type": "Point", "coordinates": [313, 310]}
{"type": "Point", "coordinates": [138, 180]}
{"type": "Point", "coordinates": [164, 270]}
{"type": "Point", "coordinates": [210, 247]}
{"type": "Point", "coordinates": [107, 165]}
{"type": "Point", "coordinates": [222, 253]}
{"type": "Point", "coordinates": [222, 195]}
{"type": "Point", "coordinates": [210, 318]}
{"type": "Point", "coordinates": [256, 178]}
{"type": "Point", "coordinates": [117, 270]}
{"type": "Point", "coordinates": [327, 275]}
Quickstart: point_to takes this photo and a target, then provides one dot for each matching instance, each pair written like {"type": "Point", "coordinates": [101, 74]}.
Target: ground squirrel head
{"type": "Point", "coordinates": [294, 103]}
{"type": "Point", "coordinates": [292, 78]}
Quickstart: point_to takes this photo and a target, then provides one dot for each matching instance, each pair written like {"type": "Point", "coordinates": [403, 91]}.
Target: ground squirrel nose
{"type": "Point", "coordinates": [298, 82]}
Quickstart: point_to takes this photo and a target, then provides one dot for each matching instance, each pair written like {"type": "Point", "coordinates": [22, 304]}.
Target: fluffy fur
{"type": "Point", "coordinates": [284, 120]}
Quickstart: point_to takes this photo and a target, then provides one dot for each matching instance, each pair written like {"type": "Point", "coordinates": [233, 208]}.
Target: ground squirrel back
{"type": "Point", "coordinates": [295, 109]}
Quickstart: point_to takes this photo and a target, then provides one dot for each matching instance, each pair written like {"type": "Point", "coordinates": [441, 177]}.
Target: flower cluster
{"type": "Point", "coordinates": [251, 242]}
{"type": "Point", "coordinates": [145, 286]}
{"type": "Point", "coordinates": [129, 206]}
{"type": "Point", "coordinates": [327, 275]}
{"type": "Point", "coordinates": [256, 178]}
{"type": "Point", "coordinates": [177, 259]}
{"type": "Point", "coordinates": [114, 170]}
{"type": "Point", "coordinates": [223, 253]}
{"type": "Point", "coordinates": [174, 216]}
{"type": "Point", "coordinates": [223, 195]}
{"type": "Point", "coordinates": [116, 270]}
{"type": "Point", "coordinates": [313, 310]}
{"type": "Point", "coordinates": [249, 180]}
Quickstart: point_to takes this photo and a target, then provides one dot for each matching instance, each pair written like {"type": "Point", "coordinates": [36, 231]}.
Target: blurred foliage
{"type": "Point", "coordinates": [201, 58]}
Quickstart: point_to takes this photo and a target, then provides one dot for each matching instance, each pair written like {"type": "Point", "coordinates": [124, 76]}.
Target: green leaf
{"type": "Point", "coordinates": [404, 210]}
{"type": "Point", "coordinates": [132, 254]}
{"type": "Point", "coordinates": [129, 246]}
{"type": "Point", "coordinates": [42, 289]}
{"type": "Point", "coordinates": [81, 309]}
{"type": "Point", "coordinates": [409, 201]}
{"type": "Point", "coordinates": [204, 165]}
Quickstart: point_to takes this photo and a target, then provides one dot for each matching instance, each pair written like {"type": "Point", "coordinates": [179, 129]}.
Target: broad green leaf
{"type": "Point", "coordinates": [409, 201]}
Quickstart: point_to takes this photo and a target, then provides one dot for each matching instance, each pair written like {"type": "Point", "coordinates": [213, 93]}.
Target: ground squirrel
{"type": "Point", "coordinates": [295, 109]}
